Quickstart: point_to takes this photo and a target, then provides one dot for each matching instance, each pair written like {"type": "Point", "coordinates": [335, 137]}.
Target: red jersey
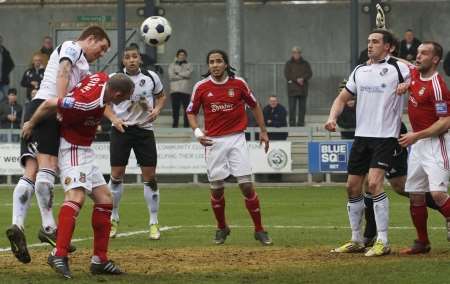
{"type": "Point", "coordinates": [223, 105]}
{"type": "Point", "coordinates": [82, 109]}
{"type": "Point", "coordinates": [429, 99]}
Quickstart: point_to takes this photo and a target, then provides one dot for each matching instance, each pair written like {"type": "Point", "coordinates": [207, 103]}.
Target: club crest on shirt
{"type": "Point", "coordinates": [67, 180]}
{"type": "Point", "coordinates": [231, 93]}
{"type": "Point", "coordinates": [422, 91]}
{"type": "Point", "coordinates": [82, 178]}
{"type": "Point", "coordinates": [142, 82]}
{"type": "Point", "coordinates": [383, 71]}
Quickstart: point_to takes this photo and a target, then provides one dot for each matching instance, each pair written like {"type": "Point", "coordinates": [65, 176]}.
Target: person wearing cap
{"type": "Point", "coordinates": [297, 72]}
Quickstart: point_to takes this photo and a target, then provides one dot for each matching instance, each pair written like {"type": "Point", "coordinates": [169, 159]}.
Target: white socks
{"type": "Point", "coordinates": [151, 195]}
{"type": "Point", "coordinates": [355, 209]}
{"type": "Point", "coordinates": [23, 192]}
{"type": "Point", "coordinates": [381, 209]}
{"type": "Point", "coordinates": [45, 181]}
{"type": "Point", "coordinates": [116, 188]}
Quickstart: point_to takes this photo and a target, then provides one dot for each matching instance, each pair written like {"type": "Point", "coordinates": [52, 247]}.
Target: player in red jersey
{"type": "Point", "coordinates": [223, 97]}
{"type": "Point", "coordinates": [428, 168]}
{"type": "Point", "coordinates": [81, 112]}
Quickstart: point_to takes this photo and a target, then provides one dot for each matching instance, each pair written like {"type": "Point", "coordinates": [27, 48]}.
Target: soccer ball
{"type": "Point", "coordinates": [156, 30]}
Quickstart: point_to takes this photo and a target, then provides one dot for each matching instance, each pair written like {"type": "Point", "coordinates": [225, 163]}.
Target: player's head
{"type": "Point", "coordinates": [95, 42]}
{"type": "Point", "coordinates": [379, 44]}
{"type": "Point", "coordinates": [218, 64]}
{"type": "Point", "coordinates": [429, 54]}
{"type": "Point", "coordinates": [118, 89]}
{"type": "Point", "coordinates": [131, 59]}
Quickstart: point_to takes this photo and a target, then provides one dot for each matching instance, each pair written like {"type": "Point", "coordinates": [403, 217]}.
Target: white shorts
{"type": "Point", "coordinates": [227, 156]}
{"type": "Point", "coordinates": [77, 167]}
{"type": "Point", "coordinates": [428, 165]}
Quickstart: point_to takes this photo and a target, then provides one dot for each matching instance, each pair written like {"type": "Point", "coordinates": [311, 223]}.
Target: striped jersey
{"type": "Point", "coordinates": [82, 109]}
{"type": "Point", "coordinates": [71, 51]}
{"type": "Point", "coordinates": [429, 99]}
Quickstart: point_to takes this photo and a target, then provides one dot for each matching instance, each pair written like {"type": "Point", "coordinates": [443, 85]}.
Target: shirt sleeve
{"type": "Point", "coordinates": [247, 95]}
{"type": "Point", "coordinates": [158, 88]}
{"type": "Point", "coordinates": [195, 103]}
{"type": "Point", "coordinates": [405, 70]}
{"type": "Point", "coordinates": [351, 83]}
{"type": "Point", "coordinates": [70, 51]}
{"type": "Point", "coordinates": [441, 97]}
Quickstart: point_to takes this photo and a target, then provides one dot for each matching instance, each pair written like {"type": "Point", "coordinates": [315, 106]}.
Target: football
{"type": "Point", "coordinates": [156, 30]}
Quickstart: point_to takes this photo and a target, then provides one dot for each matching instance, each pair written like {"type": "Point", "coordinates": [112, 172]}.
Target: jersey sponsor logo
{"type": "Point", "coordinates": [371, 89]}
{"type": "Point", "coordinates": [277, 159]}
{"type": "Point", "coordinates": [413, 101]}
{"type": "Point", "coordinates": [91, 121]}
{"type": "Point", "coordinates": [441, 108]}
{"type": "Point", "coordinates": [231, 93]}
{"type": "Point", "coordinates": [221, 107]}
{"type": "Point", "coordinates": [422, 91]}
{"type": "Point", "coordinates": [72, 53]}
{"type": "Point", "coordinates": [68, 102]}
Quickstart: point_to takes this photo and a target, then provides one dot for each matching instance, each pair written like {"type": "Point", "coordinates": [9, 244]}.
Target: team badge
{"type": "Point", "coordinates": [384, 71]}
{"type": "Point", "coordinates": [422, 91]}
{"type": "Point", "coordinates": [142, 82]}
{"type": "Point", "coordinates": [67, 180]}
{"type": "Point", "coordinates": [231, 93]}
{"type": "Point", "coordinates": [82, 178]}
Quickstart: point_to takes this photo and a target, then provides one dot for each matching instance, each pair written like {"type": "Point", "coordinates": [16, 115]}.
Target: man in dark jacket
{"type": "Point", "coordinates": [6, 66]}
{"type": "Point", "coordinates": [10, 112]}
{"type": "Point", "coordinates": [297, 72]}
{"type": "Point", "coordinates": [275, 116]}
{"type": "Point", "coordinates": [408, 46]}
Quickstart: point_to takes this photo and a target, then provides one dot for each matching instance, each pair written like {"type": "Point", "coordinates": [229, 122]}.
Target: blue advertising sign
{"type": "Point", "coordinates": [328, 156]}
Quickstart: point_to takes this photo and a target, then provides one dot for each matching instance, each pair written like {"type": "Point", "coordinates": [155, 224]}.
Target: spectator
{"type": "Point", "coordinates": [6, 66]}
{"type": "Point", "coordinates": [297, 72]}
{"type": "Point", "coordinates": [33, 76]}
{"type": "Point", "coordinates": [275, 116]}
{"type": "Point", "coordinates": [347, 119]}
{"type": "Point", "coordinates": [180, 72]}
{"type": "Point", "coordinates": [408, 46]}
{"type": "Point", "coordinates": [447, 64]}
{"type": "Point", "coordinates": [46, 49]}
{"type": "Point", "coordinates": [11, 112]}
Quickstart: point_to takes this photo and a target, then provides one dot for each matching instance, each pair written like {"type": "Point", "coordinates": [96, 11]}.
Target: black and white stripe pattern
{"type": "Point", "coordinates": [380, 197]}
{"type": "Point", "coordinates": [27, 180]}
{"type": "Point", "coordinates": [48, 171]}
{"type": "Point", "coordinates": [355, 199]}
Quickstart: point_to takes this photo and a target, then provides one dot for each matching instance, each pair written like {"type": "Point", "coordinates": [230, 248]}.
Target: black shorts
{"type": "Point", "coordinates": [44, 137]}
{"type": "Point", "coordinates": [399, 165]}
{"type": "Point", "coordinates": [369, 152]}
{"type": "Point", "coordinates": [142, 142]}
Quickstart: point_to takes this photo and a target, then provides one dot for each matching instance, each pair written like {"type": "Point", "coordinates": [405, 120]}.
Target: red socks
{"type": "Point", "coordinates": [419, 215]}
{"type": "Point", "coordinates": [252, 204]}
{"type": "Point", "coordinates": [101, 225]}
{"type": "Point", "coordinates": [66, 225]}
{"type": "Point", "coordinates": [218, 206]}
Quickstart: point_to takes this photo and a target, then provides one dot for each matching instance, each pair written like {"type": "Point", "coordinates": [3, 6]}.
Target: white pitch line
{"type": "Point", "coordinates": [168, 228]}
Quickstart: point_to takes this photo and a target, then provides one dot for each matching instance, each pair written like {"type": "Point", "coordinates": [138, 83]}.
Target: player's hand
{"type": "Point", "coordinates": [153, 115]}
{"type": "Point", "coordinates": [119, 125]}
{"type": "Point", "coordinates": [407, 139]}
{"type": "Point", "coordinates": [331, 125]}
{"type": "Point", "coordinates": [27, 128]}
{"type": "Point", "coordinates": [402, 88]}
{"type": "Point", "coordinates": [204, 140]}
{"type": "Point", "coordinates": [264, 138]}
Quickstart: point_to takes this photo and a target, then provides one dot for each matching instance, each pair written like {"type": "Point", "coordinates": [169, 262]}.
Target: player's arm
{"type": "Point", "coordinates": [63, 77]}
{"type": "Point", "coordinates": [337, 108]}
{"type": "Point", "coordinates": [46, 108]}
{"type": "Point", "coordinates": [259, 117]}
{"type": "Point", "coordinates": [160, 101]}
{"type": "Point", "coordinates": [118, 123]}
{"type": "Point", "coordinates": [440, 126]}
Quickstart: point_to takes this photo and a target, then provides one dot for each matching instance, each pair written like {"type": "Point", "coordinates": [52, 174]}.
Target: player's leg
{"type": "Point", "coordinates": [144, 147]}
{"type": "Point", "coordinates": [358, 166]}
{"type": "Point", "coordinates": [370, 230]}
{"type": "Point", "coordinates": [217, 171]}
{"type": "Point", "coordinates": [23, 192]}
{"type": "Point", "coordinates": [119, 153]}
{"type": "Point", "coordinates": [101, 214]}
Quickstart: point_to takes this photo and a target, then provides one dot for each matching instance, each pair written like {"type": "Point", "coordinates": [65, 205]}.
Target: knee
{"type": "Point", "coordinates": [439, 197]}
{"type": "Point", "coordinates": [247, 189]}
{"type": "Point", "coordinates": [353, 189]}
{"type": "Point", "coordinates": [152, 184]}
{"type": "Point", "coordinates": [217, 189]}
{"type": "Point", "coordinates": [417, 199]}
